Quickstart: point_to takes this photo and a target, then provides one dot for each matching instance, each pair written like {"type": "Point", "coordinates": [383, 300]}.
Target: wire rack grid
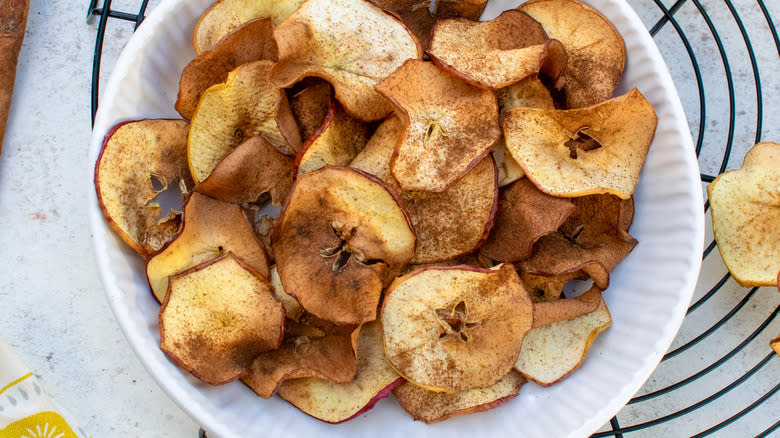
{"type": "Point", "coordinates": [719, 377]}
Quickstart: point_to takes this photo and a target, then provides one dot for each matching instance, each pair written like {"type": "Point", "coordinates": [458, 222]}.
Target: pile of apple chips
{"type": "Point", "coordinates": [441, 180]}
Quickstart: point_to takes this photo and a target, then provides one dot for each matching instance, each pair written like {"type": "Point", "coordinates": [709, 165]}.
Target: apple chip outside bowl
{"type": "Point", "coordinates": [648, 295]}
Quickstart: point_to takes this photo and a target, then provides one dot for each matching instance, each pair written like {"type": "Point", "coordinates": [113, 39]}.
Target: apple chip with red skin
{"type": "Point", "coordinates": [217, 317]}
{"type": "Point", "coordinates": [449, 126]}
{"type": "Point", "coordinates": [339, 402]}
{"type": "Point", "coordinates": [432, 406]}
{"type": "Point", "coordinates": [471, 9]}
{"type": "Point", "coordinates": [134, 156]}
{"type": "Point", "coordinates": [455, 328]}
{"type": "Point", "coordinates": [593, 150]}
{"type": "Point", "coordinates": [352, 44]}
{"type": "Point", "coordinates": [210, 229]}
{"type": "Point", "coordinates": [310, 102]}
{"type": "Point", "coordinates": [448, 224]}
{"type": "Point", "coordinates": [415, 14]}
{"type": "Point", "coordinates": [342, 237]}
{"type": "Point", "coordinates": [524, 215]}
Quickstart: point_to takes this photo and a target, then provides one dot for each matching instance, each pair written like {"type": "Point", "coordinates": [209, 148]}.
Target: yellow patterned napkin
{"type": "Point", "coordinates": [26, 411]}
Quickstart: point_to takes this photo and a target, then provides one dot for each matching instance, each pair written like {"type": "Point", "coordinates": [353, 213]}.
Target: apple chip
{"type": "Point", "coordinates": [225, 16]}
{"type": "Point", "coordinates": [310, 102]}
{"type": "Point", "coordinates": [550, 312]}
{"type": "Point", "coordinates": [545, 288]}
{"type": "Point", "coordinates": [311, 348]}
{"type": "Point", "coordinates": [447, 224]}
{"type": "Point", "coordinates": [415, 14]}
{"type": "Point", "coordinates": [432, 407]}
{"type": "Point", "coordinates": [339, 402]}
{"type": "Point", "coordinates": [528, 93]}
{"type": "Point", "coordinates": [352, 44]}
{"type": "Point", "coordinates": [335, 143]}
{"type": "Point", "coordinates": [508, 169]}
{"type": "Point", "coordinates": [246, 105]}
{"type": "Point", "coordinates": [745, 208]}
{"type": "Point", "coordinates": [252, 169]}
{"type": "Point", "coordinates": [210, 229]}
{"type": "Point", "coordinates": [450, 126]}
{"type": "Point", "coordinates": [599, 149]}
{"type": "Point", "coordinates": [217, 317]}
{"type": "Point", "coordinates": [524, 215]}
{"type": "Point", "coordinates": [342, 237]}
{"type": "Point", "coordinates": [596, 52]}
{"type": "Point", "coordinates": [138, 161]}
{"type": "Point", "coordinates": [552, 352]}
{"type": "Point", "coordinates": [292, 307]}
{"type": "Point", "coordinates": [252, 41]}
{"type": "Point", "coordinates": [775, 344]}
{"type": "Point", "coordinates": [471, 9]}
{"type": "Point", "coordinates": [497, 53]}
{"type": "Point", "coordinates": [455, 329]}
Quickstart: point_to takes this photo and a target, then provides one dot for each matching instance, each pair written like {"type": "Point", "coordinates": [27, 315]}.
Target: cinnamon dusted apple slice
{"type": "Point", "coordinates": [543, 288]}
{"type": "Point", "coordinates": [471, 9]}
{"type": "Point", "coordinates": [432, 407]}
{"type": "Point", "coordinates": [447, 224]}
{"type": "Point", "coordinates": [455, 329]}
{"type": "Point", "coordinates": [292, 307]}
{"type": "Point", "coordinates": [595, 49]}
{"type": "Point", "coordinates": [599, 149]}
{"type": "Point", "coordinates": [552, 352]}
{"type": "Point", "coordinates": [352, 44]}
{"type": "Point", "coordinates": [524, 215]}
{"type": "Point", "coordinates": [775, 344]}
{"type": "Point", "coordinates": [225, 16]}
{"type": "Point", "coordinates": [139, 160]}
{"type": "Point", "coordinates": [339, 402]}
{"type": "Point", "coordinates": [253, 41]}
{"type": "Point", "coordinates": [217, 317]}
{"type": "Point", "coordinates": [528, 93]}
{"type": "Point", "coordinates": [550, 312]}
{"type": "Point", "coordinates": [311, 348]}
{"type": "Point", "coordinates": [415, 14]}
{"type": "Point", "coordinates": [246, 105]}
{"type": "Point", "coordinates": [252, 169]}
{"type": "Point", "coordinates": [342, 237]}
{"type": "Point", "coordinates": [335, 143]}
{"type": "Point", "coordinates": [497, 53]}
{"type": "Point", "coordinates": [450, 126]}
{"type": "Point", "coordinates": [210, 229]}
{"type": "Point", "coordinates": [310, 102]}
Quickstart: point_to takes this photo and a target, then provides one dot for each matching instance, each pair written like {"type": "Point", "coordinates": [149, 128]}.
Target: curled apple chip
{"type": "Point", "coordinates": [246, 105]}
{"type": "Point", "coordinates": [448, 224]}
{"type": "Point", "coordinates": [217, 317]}
{"type": "Point", "coordinates": [508, 169]}
{"type": "Point", "coordinates": [226, 16]}
{"type": "Point", "coordinates": [471, 9]}
{"type": "Point", "coordinates": [342, 237]}
{"type": "Point", "coordinates": [552, 352]}
{"type": "Point", "coordinates": [415, 14]}
{"type": "Point", "coordinates": [599, 149]}
{"type": "Point", "coordinates": [524, 215]}
{"type": "Point", "coordinates": [210, 229]}
{"type": "Point", "coordinates": [292, 308]}
{"type": "Point", "coordinates": [455, 329]}
{"type": "Point", "coordinates": [310, 102]}
{"type": "Point", "coordinates": [432, 406]}
{"type": "Point", "coordinates": [595, 49]}
{"type": "Point", "coordinates": [352, 44]}
{"type": "Point", "coordinates": [450, 126]}
{"type": "Point", "coordinates": [339, 402]}
{"type": "Point", "coordinates": [138, 161]}
{"type": "Point", "coordinates": [745, 209]}
{"type": "Point", "coordinates": [550, 312]}
{"type": "Point", "coordinates": [544, 288]}
{"type": "Point", "coordinates": [497, 53]}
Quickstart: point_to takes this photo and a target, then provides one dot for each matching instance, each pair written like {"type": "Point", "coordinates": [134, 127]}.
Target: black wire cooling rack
{"type": "Point", "coordinates": [720, 376]}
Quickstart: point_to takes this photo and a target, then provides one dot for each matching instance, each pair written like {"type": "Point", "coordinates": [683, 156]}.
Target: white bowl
{"type": "Point", "coordinates": [648, 296]}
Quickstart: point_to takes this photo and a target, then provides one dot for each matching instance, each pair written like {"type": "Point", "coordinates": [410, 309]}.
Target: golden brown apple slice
{"type": "Point", "coordinates": [775, 344]}
{"type": "Point", "coordinates": [471, 9]}
{"type": "Point", "coordinates": [524, 215]}
{"type": "Point", "coordinates": [497, 53]}
{"type": "Point", "coordinates": [432, 407]}
{"type": "Point", "coordinates": [745, 208]}
{"type": "Point", "coordinates": [352, 44]}
{"type": "Point", "coordinates": [528, 93]}
{"type": "Point", "coordinates": [339, 402]}
{"type": "Point", "coordinates": [342, 238]}
{"type": "Point", "coordinates": [310, 102]}
{"type": "Point", "coordinates": [135, 157]}
{"type": "Point", "coordinates": [595, 49]}
{"type": "Point", "coordinates": [253, 41]}
{"type": "Point", "coordinates": [553, 352]}
{"type": "Point", "coordinates": [292, 307]}
{"type": "Point", "coordinates": [450, 126]}
{"type": "Point", "coordinates": [599, 149]}
{"type": "Point", "coordinates": [415, 14]}
{"type": "Point", "coordinates": [225, 16]}
{"type": "Point", "coordinates": [508, 169]}
{"type": "Point", "coordinates": [550, 312]}
{"type": "Point", "coordinates": [447, 224]}
{"type": "Point", "coordinates": [210, 229]}
{"type": "Point", "coordinates": [455, 329]}
{"type": "Point", "coordinates": [544, 288]}
{"type": "Point", "coordinates": [335, 143]}
{"type": "Point", "coordinates": [246, 105]}
{"type": "Point", "coordinates": [217, 317]}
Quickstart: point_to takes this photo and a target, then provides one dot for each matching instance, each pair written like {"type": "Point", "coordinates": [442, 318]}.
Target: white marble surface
{"type": "Point", "coordinates": [56, 317]}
